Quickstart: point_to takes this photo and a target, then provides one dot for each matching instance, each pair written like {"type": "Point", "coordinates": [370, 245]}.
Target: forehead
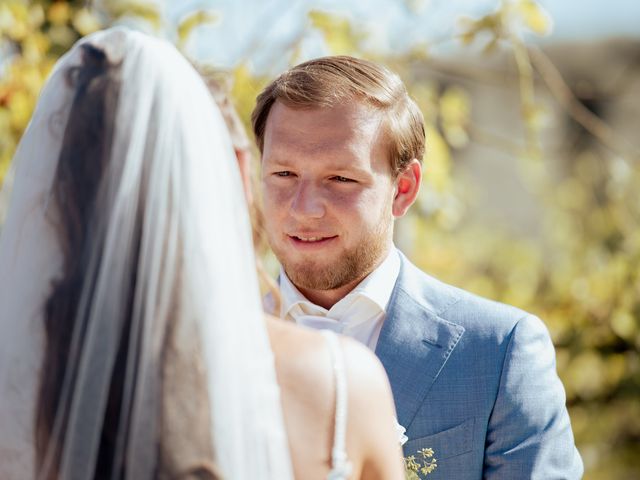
{"type": "Point", "coordinates": [351, 127]}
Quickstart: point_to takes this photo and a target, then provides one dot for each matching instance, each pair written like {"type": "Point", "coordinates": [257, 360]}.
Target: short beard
{"type": "Point", "coordinates": [352, 265]}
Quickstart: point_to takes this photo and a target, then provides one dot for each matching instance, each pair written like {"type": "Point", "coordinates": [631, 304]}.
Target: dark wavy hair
{"type": "Point", "coordinates": [83, 159]}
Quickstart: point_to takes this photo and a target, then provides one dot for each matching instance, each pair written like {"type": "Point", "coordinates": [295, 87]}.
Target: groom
{"type": "Point", "coordinates": [475, 380]}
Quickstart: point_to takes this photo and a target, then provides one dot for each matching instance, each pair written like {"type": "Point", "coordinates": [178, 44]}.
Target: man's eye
{"type": "Point", "coordinates": [341, 179]}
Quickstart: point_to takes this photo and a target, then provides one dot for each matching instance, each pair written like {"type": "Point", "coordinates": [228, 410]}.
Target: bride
{"type": "Point", "coordinates": [132, 344]}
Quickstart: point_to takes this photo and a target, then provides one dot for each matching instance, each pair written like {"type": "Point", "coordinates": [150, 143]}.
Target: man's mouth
{"type": "Point", "coordinates": [311, 238]}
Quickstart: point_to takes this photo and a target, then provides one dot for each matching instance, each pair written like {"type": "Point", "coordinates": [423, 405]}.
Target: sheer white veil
{"type": "Point", "coordinates": [170, 203]}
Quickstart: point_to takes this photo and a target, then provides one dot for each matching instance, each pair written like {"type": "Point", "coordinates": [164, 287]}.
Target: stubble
{"type": "Point", "coordinates": [351, 265]}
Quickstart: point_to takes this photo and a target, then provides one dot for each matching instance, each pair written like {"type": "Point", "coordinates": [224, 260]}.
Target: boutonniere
{"type": "Point", "coordinates": [421, 463]}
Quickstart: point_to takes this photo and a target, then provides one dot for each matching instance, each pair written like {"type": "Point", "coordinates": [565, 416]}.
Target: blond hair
{"type": "Point", "coordinates": [219, 87]}
{"type": "Point", "coordinates": [329, 81]}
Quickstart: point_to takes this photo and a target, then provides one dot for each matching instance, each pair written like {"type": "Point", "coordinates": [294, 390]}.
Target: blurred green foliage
{"type": "Point", "coordinates": [582, 277]}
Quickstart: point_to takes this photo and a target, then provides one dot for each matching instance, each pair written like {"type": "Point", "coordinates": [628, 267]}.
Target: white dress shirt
{"type": "Point", "coordinates": [359, 315]}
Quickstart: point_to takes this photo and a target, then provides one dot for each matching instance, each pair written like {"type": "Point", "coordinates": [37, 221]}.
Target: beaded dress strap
{"type": "Point", "coordinates": [340, 464]}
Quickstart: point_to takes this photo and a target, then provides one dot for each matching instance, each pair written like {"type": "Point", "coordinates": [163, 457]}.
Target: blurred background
{"type": "Point", "coordinates": [532, 172]}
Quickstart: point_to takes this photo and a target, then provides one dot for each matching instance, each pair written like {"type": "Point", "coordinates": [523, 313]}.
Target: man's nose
{"type": "Point", "coordinates": [308, 201]}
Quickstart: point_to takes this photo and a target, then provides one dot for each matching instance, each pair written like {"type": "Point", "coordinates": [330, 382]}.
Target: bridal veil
{"type": "Point", "coordinates": [170, 205]}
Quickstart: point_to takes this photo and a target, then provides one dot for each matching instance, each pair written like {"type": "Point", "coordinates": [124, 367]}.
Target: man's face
{"type": "Point", "coordinates": [328, 193]}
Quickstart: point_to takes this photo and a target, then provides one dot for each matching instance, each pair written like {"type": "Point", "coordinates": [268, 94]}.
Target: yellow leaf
{"type": "Point", "coordinates": [59, 13]}
{"type": "Point", "coordinates": [34, 47]}
{"type": "Point", "coordinates": [244, 91]}
{"type": "Point", "coordinates": [14, 20]}
{"type": "Point", "coordinates": [454, 114]}
{"type": "Point", "coordinates": [536, 116]}
{"type": "Point", "coordinates": [6, 19]}
{"type": "Point", "coordinates": [437, 162]}
{"type": "Point", "coordinates": [18, 31]}
{"type": "Point", "coordinates": [20, 107]}
{"type": "Point", "coordinates": [616, 368]}
{"type": "Point", "coordinates": [85, 22]}
{"type": "Point", "coordinates": [62, 35]}
{"type": "Point", "coordinates": [26, 76]}
{"type": "Point", "coordinates": [534, 17]}
{"type": "Point", "coordinates": [7, 147]}
{"type": "Point", "coordinates": [624, 325]}
{"type": "Point", "coordinates": [36, 16]}
{"type": "Point", "coordinates": [192, 21]}
{"type": "Point", "coordinates": [141, 9]}
{"type": "Point", "coordinates": [587, 374]}
{"type": "Point", "coordinates": [19, 11]}
{"type": "Point", "coordinates": [491, 24]}
{"type": "Point", "coordinates": [337, 31]}
{"type": "Point", "coordinates": [426, 96]}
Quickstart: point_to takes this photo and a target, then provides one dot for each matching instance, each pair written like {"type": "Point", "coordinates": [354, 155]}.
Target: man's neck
{"type": "Point", "coordinates": [328, 298]}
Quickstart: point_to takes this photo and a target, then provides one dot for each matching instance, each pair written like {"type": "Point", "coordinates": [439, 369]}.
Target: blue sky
{"type": "Point", "coordinates": [261, 29]}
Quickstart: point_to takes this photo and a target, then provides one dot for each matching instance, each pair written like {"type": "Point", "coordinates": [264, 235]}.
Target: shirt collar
{"type": "Point", "coordinates": [289, 295]}
{"type": "Point", "coordinates": [377, 287]}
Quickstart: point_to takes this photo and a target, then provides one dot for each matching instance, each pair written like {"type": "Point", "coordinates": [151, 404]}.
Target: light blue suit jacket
{"type": "Point", "coordinates": [475, 380]}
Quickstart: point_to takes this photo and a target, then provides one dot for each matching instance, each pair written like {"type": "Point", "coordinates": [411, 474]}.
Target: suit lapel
{"type": "Point", "coordinates": [414, 345]}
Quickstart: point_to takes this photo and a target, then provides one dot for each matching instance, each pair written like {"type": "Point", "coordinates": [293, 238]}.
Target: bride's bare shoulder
{"type": "Point", "coordinates": [297, 350]}
{"type": "Point", "coordinates": [305, 374]}
{"type": "Point", "coordinates": [301, 351]}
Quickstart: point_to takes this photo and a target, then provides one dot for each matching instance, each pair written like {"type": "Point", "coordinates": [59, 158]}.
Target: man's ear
{"type": "Point", "coordinates": [407, 187]}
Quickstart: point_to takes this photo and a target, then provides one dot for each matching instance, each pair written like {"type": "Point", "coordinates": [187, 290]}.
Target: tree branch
{"type": "Point", "coordinates": [576, 110]}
